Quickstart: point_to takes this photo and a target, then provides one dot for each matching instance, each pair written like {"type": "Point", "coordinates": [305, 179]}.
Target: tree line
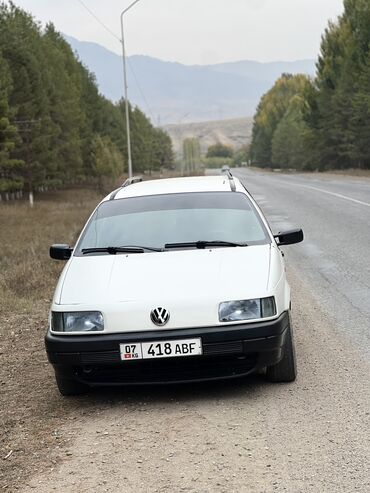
{"type": "Point", "coordinates": [217, 155]}
{"type": "Point", "coordinates": [322, 122]}
{"type": "Point", "coordinates": [56, 129]}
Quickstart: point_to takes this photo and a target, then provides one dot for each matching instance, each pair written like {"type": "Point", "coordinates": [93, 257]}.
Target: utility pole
{"type": "Point", "coordinates": [129, 153]}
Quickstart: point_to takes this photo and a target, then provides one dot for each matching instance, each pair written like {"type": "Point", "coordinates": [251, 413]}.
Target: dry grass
{"type": "Point", "coordinates": [30, 406]}
{"type": "Point", "coordinates": [27, 275]}
{"type": "Point", "coordinates": [361, 173]}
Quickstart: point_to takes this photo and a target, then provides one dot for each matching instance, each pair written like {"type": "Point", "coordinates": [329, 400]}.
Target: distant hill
{"type": "Point", "coordinates": [236, 133]}
{"type": "Point", "coordinates": [258, 71]}
{"type": "Point", "coordinates": [177, 92]}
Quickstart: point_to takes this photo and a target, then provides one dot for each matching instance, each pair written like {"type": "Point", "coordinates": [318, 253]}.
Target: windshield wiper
{"type": "Point", "coordinates": [205, 244]}
{"type": "Point", "coordinates": [121, 249]}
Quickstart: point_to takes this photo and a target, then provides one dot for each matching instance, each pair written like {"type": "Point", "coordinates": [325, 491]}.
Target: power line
{"type": "Point", "coordinates": [99, 21]}
{"type": "Point", "coordinates": [120, 42]}
{"type": "Point", "coordinates": [141, 91]}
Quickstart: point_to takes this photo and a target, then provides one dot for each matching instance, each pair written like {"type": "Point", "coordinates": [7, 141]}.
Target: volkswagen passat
{"type": "Point", "coordinates": [175, 280]}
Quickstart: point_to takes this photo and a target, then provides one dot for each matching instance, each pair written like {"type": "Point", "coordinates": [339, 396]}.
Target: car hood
{"type": "Point", "coordinates": [189, 283]}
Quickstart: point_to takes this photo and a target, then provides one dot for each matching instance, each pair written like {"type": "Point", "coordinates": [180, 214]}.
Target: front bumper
{"type": "Point", "coordinates": [228, 352]}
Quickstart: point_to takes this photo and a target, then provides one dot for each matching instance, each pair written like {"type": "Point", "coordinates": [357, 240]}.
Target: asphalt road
{"type": "Point", "coordinates": [334, 260]}
{"type": "Point", "coordinates": [251, 436]}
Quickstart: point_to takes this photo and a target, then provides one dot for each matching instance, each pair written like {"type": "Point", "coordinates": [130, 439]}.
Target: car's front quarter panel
{"type": "Point", "coordinates": [278, 284]}
{"type": "Point", "coordinates": [59, 287]}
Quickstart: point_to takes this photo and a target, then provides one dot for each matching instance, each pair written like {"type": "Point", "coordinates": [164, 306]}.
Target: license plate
{"type": "Point", "coordinates": [161, 349]}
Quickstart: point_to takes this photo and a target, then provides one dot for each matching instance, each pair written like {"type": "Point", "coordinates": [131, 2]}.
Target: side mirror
{"type": "Point", "coordinates": [61, 252]}
{"type": "Point", "coordinates": [289, 237]}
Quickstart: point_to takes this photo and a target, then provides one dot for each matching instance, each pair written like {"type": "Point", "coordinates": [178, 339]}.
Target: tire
{"type": "Point", "coordinates": [69, 388]}
{"type": "Point", "coordinates": [286, 370]}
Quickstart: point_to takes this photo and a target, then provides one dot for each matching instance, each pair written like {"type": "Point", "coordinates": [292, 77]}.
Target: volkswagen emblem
{"type": "Point", "coordinates": [160, 316]}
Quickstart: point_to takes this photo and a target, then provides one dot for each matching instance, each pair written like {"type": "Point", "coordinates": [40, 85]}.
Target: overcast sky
{"type": "Point", "coordinates": [198, 31]}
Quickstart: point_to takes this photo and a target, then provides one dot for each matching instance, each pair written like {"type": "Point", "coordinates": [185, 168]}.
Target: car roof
{"type": "Point", "coordinates": [219, 183]}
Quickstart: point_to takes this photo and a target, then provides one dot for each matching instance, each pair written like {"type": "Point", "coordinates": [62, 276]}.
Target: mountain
{"type": "Point", "coordinates": [174, 92]}
{"type": "Point", "coordinates": [265, 71]}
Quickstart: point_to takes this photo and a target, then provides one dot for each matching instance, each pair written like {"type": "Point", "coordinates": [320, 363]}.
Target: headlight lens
{"type": "Point", "coordinates": [234, 311]}
{"type": "Point", "coordinates": [77, 322]}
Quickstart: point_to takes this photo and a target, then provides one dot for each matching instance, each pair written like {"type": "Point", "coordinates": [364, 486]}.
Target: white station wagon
{"type": "Point", "coordinates": [176, 280]}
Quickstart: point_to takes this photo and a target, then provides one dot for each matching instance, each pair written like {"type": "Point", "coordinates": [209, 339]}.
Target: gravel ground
{"type": "Point", "coordinates": [244, 436]}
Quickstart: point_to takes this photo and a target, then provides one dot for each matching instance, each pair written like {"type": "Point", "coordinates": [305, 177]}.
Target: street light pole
{"type": "Point", "coordinates": [129, 154]}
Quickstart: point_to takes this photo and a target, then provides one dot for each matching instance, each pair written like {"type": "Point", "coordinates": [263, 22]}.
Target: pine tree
{"type": "Point", "coordinates": [20, 38]}
{"type": "Point", "coordinates": [107, 161]}
{"type": "Point", "coordinates": [56, 128]}
{"type": "Point", "coordinates": [65, 111]}
{"type": "Point", "coordinates": [360, 121]}
{"type": "Point", "coordinates": [162, 153]}
{"type": "Point", "coordinates": [341, 84]}
{"type": "Point", "coordinates": [9, 168]}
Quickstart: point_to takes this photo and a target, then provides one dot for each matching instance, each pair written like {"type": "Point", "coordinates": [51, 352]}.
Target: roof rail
{"type": "Point", "coordinates": [231, 180]}
{"type": "Point", "coordinates": [131, 181]}
{"type": "Point", "coordinates": [127, 183]}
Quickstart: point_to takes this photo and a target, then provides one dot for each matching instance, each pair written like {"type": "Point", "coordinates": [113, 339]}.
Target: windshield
{"type": "Point", "coordinates": [156, 220]}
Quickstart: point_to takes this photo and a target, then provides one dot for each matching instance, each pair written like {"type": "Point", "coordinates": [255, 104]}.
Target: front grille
{"type": "Point", "coordinates": [231, 347]}
{"type": "Point", "coordinates": [170, 370]}
{"type": "Point", "coordinates": [103, 357]}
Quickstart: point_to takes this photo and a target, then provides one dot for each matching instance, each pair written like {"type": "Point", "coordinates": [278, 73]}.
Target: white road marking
{"type": "Point", "coordinates": [366, 204]}
{"type": "Point", "coordinates": [338, 195]}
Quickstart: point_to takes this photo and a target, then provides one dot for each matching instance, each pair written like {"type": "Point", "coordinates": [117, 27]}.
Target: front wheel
{"type": "Point", "coordinates": [69, 387]}
{"type": "Point", "coordinates": [286, 370]}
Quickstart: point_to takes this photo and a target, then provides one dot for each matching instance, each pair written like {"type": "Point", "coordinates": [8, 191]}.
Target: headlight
{"type": "Point", "coordinates": [77, 322]}
{"type": "Point", "coordinates": [234, 311]}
